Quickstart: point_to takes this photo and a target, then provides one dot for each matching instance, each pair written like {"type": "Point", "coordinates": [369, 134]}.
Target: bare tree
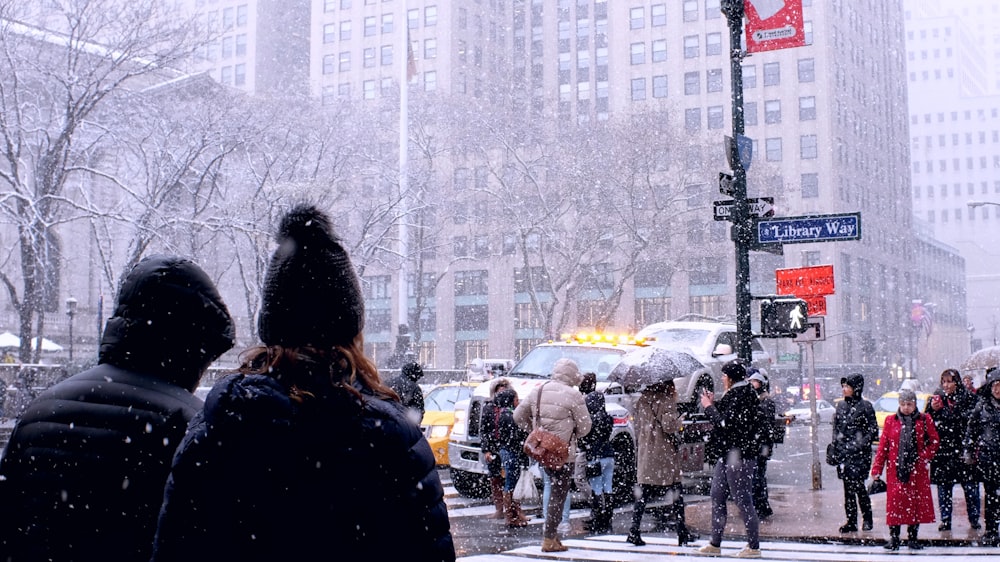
{"type": "Point", "coordinates": [55, 82]}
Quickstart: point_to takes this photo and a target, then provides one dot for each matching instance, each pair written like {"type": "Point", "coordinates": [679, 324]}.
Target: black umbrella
{"type": "Point", "coordinates": [650, 365]}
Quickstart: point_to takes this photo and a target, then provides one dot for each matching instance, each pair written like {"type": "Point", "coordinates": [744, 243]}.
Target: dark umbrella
{"type": "Point", "coordinates": [650, 365]}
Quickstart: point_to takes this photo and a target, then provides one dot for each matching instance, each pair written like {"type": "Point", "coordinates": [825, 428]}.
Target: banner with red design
{"type": "Point", "coordinates": [773, 24]}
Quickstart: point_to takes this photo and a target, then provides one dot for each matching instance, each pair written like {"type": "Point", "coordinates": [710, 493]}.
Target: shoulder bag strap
{"type": "Point", "coordinates": [538, 405]}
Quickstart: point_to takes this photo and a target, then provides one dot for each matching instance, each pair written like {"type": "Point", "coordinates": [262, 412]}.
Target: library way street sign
{"type": "Point", "coordinates": [817, 228]}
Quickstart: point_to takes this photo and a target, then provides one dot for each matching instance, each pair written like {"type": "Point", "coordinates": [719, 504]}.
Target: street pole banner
{"type": "Point", "coordinates": [773, 25]}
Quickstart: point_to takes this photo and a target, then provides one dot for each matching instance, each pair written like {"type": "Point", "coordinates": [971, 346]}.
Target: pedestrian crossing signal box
{"type": "Point", "coordinates": [783, 317]}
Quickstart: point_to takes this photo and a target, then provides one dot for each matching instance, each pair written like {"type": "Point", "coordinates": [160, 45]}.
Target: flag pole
{"type": "Point", "coordinates": [404, 235]}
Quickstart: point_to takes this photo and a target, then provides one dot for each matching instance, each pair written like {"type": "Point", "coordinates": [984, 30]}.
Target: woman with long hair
{"type": "Point", "coordinates": [304, 451]}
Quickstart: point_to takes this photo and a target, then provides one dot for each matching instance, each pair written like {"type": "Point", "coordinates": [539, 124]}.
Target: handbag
{"type": "Point", "coordinates": [833, 456]}
{"type": "Point", "coordinates": [544, 446]}
{"type": "Point", "coordinates": [594, 468]}
{"type": "Point", "coordinates": [525, 490]}
{"type": "Point", "coordinates": [876, 487]}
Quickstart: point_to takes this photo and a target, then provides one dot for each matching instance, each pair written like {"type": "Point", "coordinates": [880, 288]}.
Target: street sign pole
{"type": "Point", "coordinates": [742, 223]}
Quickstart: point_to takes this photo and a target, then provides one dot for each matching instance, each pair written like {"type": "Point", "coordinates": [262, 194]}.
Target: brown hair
{"type": "Point", "coordinates": [956, 377]}
{"type": "Point", "coordinates": [308, 372]}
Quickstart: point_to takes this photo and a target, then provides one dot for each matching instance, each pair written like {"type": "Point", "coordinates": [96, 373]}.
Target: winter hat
{"type": "Point", "coordinates": [756, 376]}
{"type": "Point", "coordinates": [588, 383]}
{"type": "Point", "coordinates": [735, 371]}
{"type": "Point", "coordinates": [413, 371]}
{"type": "Point", "coordinates": [312, 296]}
{"type": "Point", "coordinates": [907, 396]}
{"type": "Point", "coordinates": [855, 381]}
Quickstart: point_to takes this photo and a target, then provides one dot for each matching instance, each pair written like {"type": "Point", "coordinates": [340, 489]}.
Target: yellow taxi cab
{"type": "Point", "coordinates": [888, 404]}
{"type": "Point", "coordinates": [439, 415]}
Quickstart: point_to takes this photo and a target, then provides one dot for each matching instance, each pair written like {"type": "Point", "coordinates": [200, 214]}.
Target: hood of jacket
{"type": "Point", "coordinates": [567, 372]}
{"type": "Point", "coordinates": [855, 381]}
{"type": "Point", "coordinates": [169, 321]}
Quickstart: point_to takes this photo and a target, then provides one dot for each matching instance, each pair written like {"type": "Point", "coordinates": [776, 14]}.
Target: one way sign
{"type": "Point", "coordinates": [761, 207]}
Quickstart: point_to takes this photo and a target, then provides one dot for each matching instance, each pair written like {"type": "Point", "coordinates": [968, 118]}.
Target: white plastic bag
{"type": "Point", "coordinates": [525, 490]}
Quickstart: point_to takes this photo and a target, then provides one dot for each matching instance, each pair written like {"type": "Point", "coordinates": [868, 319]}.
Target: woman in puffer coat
{"type": "Point", "coordinates": [950, 408]}
{"type": "Point", "coordinates": [560, 409]}
{"type": "Point", "coordinates": [304, 454]}
{"type": "Point", "coordinates": [909, 441]}
{"type": "Point", "coordinates": [982, 448]}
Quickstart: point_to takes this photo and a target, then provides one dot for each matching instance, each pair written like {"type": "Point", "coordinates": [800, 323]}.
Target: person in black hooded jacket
{"type": "Point", "coordinates": [405, 385]}
{"type": "Point", "coordinates": [304, 454]}
{"type": "Point", "coordinates": [83, 473]}
{"type": "Point", "coordinates": [854, 431]}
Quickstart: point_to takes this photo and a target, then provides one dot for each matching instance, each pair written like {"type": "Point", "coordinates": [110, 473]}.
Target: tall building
{"type": "Point", "coordinates": [953, 60]}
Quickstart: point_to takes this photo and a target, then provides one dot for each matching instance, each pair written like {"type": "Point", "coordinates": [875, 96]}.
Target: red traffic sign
{"type": "Point", "coordinates": [816, 305]}
{"type": "Point", "coordinates": [806, 282]}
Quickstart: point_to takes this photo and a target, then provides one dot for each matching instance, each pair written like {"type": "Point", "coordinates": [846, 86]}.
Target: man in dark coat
{"type": "Point", "coordinates": [84, 470]}
{"type": "Point", "coordinates": [854, 431]}
{"type": "Point", "coordinates": [982, 448]}
{"type": "Point", "coordinates": [410, 395]}
{"type": "Point", "coordinates": [736, 437]}
{"type": "Point", "coordinates": [950, 408]}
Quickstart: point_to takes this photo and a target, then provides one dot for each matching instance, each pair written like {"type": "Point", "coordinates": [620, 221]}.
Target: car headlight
{"type": "Point", "coordinates": [461, 423]}
{"type": "Point", "coordinates": [439, 431]}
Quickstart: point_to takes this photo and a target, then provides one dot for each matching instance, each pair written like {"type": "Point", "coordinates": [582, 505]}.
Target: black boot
{"type": "Point", "coordinates": [945, 525]}
{"type": "Point", "coordinates": [635, 538]}
{"type": "Point", "coordinates": [849, 527]}
{"type": "Point", "coordinates": [594, 524]}
{"type": "Point", "coordinates": [911, 537]}
{"type": "Point", "coordinates": [684, 536]}
{"type": "Point", "coordinates": [633, 533]}
{"type": "Point", "coordinates": [893, 543]}
{"type": "Point", "coordinates": [866, 512]}
{"type": "Point", "coordinates": [990, 538]}
{"type": "Point", "coordinates": [607, 514]}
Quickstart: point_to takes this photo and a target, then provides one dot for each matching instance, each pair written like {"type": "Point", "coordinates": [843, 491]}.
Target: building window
{"type": "Point", "coordinates": [772, 148]}
{"type": "Point", "coordinates": [713, 80]}
{"type": "Point", "coordinates": [474, 317]}
{"type": "Point", "coordinates": [691, 46]}
{"type": "Point", "coordinates": [345, 30]}
{"type": "Point", "coordinates": [658, 15]}
{"type": "Point", "coordinates": [344, 63]}
{"type": "Point", "coordinates": [430, 81]}
{"type": "Point", "coordinates": [386, 55]}
{"type": "Point", "coordinates": [712, 10]}
{"type": "Point", "coordinates": [430, 48]}
{"type": "Point", "coordinates": [430, 15]}
{"type": "Point", "coordinates": [368, 58]}
{"type": "Point", "coordinates": [772, 112]}
{"type": "Point", "coordinates": [692, 83]}
{"type": "Point", "coordinates": [472, 282]}
{"type": "Point", "coordinates": [637, 53]}
{"type": "Point", "coordinates": [386, 86]}
{"type": "Point", "coordinates": [660, 86]}
{"type": "Point", "coordinates": [715, 117]}
{"type": "Point", "coordinates": [240, 74]}
{"type": "Point", "coordinates": [637, 18]}
{"type": "Point", "coordinates": [810, 186]}
{"type": "Point", "coordinates": [242, 13]}
{"type": "Point", "coordinates": [371, 26]}
{"type": "Point", "coordinates": [241, 45]}
{"type": "Point", "coordinates": [692, 119]}
{"type": "Point", "coordinates": [329, 33]}
{"type": "Point", "coordinates": [749, 76]}
{"type": "Point", "coordinates": [807, 70]}
{"type": "Point", "coordinates": [329, 64]}
{"type": "Point", "coordinates": [713, 44]}
{"type": "Point", "coordinates": [386, 23]}
{"type": "Point", "coordinates": [369, 89]}
{"type": "Point", "coordinates": [659, 50]}
{"type": "Point", "coordinates": [690, 10]}
{"type": "Point", "coordinates": [226, 75]}
{"type": "Point", "coordinates": [750, 113]}
{"type": "Point", "coordinates": [807, 108]}
{"type": "Point", "coordinates": [772, 74]}
{"type": "Point", "coordinates": [807, 147]}
{"type": "Point", "coordinates": [638, 89]}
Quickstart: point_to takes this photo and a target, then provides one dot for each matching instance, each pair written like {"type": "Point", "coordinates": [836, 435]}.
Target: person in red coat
{"type": "Point", "coordinates": [909, 441]}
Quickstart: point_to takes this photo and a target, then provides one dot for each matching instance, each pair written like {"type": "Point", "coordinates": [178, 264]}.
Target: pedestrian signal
{"type": "Point", "coordinates": [785, 316]}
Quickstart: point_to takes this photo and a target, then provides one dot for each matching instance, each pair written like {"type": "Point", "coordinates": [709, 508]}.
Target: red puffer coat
{"type": "Point", "coordinates": [907, 503]}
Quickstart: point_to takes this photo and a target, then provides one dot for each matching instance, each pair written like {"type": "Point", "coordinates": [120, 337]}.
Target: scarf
{"type": "Point", "coordinates": [907, 458]}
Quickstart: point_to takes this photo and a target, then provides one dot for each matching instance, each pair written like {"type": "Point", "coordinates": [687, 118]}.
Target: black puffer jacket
{"type": "Point", "coordinates": [84, 470]}
{"type": "Point", "coordinates": [951, 421]}
{"type": "Point", "coordinates": [737, 423]}
{"type": "Point", "coordinates": [405, 385]}
{"type": "Point", "coordinates": [854, 430]}
{"type": "Point", "coordinates": [982, 437]}
{"type": "Point", "coordinates": [597, 443]}
{"type": "Point", "coordinates": [260, 477]}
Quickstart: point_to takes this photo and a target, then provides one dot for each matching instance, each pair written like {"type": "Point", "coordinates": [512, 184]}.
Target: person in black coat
{"type": "Point", "coordinates": [597, 448]}
{"type": "Point", "coordinates": [982, 449]}
{"type": "Point", "coordinates": [489, 436]}
{"type": "Point", "coordinates": [511, 447]}
{"type": "Point", "coordinates": [735, 441]}
{"type": "Point", "coordinates": [83, 473]}
{"type": "Point", "coordinates": [950, 408]}
{"type": "Point", "coordinates": [854, 431]}
{"type": "Point", "coordinates": [768, 410]}
{"type": "Point", "coordinates": [405, 385]}
{"type": "Point", "coordinates": [304, 454]}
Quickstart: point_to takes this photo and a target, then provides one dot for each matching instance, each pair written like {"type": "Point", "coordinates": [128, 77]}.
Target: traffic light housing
{"type": "Point", "coordinates": [783, 317]}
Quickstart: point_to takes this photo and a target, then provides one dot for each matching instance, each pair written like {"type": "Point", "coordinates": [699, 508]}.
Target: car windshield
{"type": "Point", "coordinates": [443, 398]}
{"type": "Point", "coordinates": [538, 362]}
{"type": "Point", "coordinates": [687, 337]}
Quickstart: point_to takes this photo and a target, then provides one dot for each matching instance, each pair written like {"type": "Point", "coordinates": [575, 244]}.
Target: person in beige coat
{"type": "Point", "coordinates": [563, 411]}
{"type": "Point", "coordinates": [658, 472]}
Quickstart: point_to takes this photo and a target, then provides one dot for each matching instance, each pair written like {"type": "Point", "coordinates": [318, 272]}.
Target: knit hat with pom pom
{"type": "Point", "coordinates": [312, 296]}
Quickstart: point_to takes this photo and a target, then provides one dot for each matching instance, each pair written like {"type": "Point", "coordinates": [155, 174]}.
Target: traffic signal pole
{"type": "Point", "coordinates": [742, 224]}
